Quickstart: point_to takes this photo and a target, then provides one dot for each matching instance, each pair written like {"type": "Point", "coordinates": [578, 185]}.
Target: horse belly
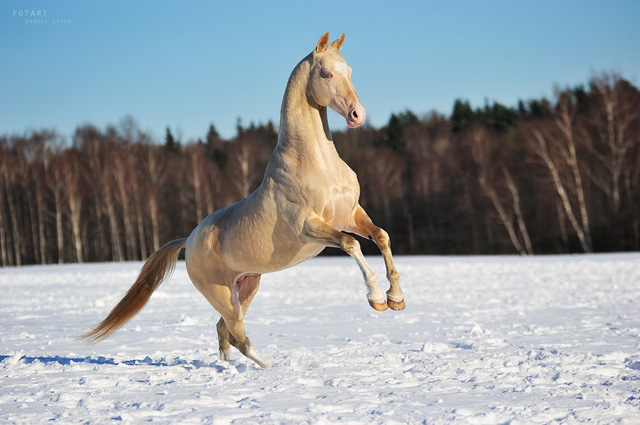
{"type": "Point", "coordinates": [287, 250]}
{"type": "Point", "coordinates": [269, 247]}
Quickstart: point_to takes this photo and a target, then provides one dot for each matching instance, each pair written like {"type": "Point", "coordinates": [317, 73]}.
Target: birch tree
{"type": "Point", "coordinates": [555, 144]}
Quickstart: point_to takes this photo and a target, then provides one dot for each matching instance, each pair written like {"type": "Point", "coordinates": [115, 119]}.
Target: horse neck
{"type": "Point", "coordinates": [304, 128]}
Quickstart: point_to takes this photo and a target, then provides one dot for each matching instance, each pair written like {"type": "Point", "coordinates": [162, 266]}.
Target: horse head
{"type": "Point", "coordinates": [330, 83]}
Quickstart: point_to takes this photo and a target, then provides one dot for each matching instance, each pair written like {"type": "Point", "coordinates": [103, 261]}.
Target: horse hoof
{"type": "Point", "coordinates": [378, 306]}
{"type": "Point", "coordinates": [396, 305]}
{"type": "Point", "coordinates": [251, 353]}
{"type": "Point", "coordinates": [225, 355]}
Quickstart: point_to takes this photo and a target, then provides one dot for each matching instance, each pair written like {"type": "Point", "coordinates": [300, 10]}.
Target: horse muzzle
{"type": "Point", "coordinates": [356, 116]}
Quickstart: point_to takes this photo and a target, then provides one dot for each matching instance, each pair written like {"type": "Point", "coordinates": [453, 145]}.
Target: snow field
{"type": "Point", "coordinates": [483, 340]}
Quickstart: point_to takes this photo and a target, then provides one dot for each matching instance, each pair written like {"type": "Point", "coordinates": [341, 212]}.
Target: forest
{"type": "Point", "coordinates": [545, 176]}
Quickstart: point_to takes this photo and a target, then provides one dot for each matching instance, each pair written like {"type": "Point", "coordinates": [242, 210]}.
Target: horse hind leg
{"type": "Point", "coordinates": [224, 340]}
{"type": "Point", "coordinates": [232, 303]}
{"type": "Point", "coordinates": [246, 288]}
{"type": "Point", "coordinates": [236, 334]}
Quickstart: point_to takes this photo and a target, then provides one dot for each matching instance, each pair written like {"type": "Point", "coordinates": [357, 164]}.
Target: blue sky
{"type": "Point", "coordinates": [191, 63]}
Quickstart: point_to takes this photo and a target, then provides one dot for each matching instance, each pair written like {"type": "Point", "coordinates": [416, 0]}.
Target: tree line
{"type": "Point", "coordinates": [544, 176]}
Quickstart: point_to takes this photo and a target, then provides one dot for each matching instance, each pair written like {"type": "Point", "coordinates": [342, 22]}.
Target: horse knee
{"type": "Point", "coordinates": [382, 239]}
{"type": "Point", "coordinates": [349, 244]}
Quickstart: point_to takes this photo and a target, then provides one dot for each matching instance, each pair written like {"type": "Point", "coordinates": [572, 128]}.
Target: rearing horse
{"type": "Point", "coordinates": [307, 200]}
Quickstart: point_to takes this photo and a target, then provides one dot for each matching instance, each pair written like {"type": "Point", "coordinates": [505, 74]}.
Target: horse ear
{"type": "Point", "coordinates": [337, 45]}
{"type": "Point", "coordinates": [323, 43]}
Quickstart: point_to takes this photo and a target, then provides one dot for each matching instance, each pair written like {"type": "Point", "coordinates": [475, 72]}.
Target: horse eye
{"type": "Point", "coordinates": [325, 74]}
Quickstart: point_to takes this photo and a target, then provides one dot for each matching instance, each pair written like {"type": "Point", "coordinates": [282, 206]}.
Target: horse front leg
{"type": "Point", "coordinates": [319, 232]}
{"type": "Point", "coordinates": [362, 225]}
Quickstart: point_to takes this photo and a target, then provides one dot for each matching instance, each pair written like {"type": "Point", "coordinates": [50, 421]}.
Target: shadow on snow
{"type": "Point", "coordinates": [101, 360]}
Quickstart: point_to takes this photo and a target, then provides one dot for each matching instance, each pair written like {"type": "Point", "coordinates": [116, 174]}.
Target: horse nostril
{"type": "Point", "coordinates": [354, 114]}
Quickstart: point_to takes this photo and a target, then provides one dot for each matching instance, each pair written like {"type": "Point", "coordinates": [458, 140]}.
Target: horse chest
{"type": "Point", "coordinates": [339, 206]}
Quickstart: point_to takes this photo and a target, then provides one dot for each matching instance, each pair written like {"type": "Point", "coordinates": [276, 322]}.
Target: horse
{"type": "Point", "coordinates": [308, 200]}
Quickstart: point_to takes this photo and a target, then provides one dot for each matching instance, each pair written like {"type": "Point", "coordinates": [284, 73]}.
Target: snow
{"type": "Point", "coordinates": [483, 340]}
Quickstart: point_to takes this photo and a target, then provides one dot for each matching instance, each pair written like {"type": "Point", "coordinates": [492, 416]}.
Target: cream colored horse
{"type": "Point", "coordinates": [307, 200]}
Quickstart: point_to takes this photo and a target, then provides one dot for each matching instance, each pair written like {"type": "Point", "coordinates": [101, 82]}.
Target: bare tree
{"type": "Point", "coordinates": [41, 212]}
{"type": "Point", "coordinates": [558, 152]}
{"type": "Point", "coordinates": [99, 152]}
{"type": "Point", "coordinates": [121, 174]}
{"type": "Point", "coordinates": [612, 135]}
{"type": "Point", "coordinates": [429, 142]}
{"type": "Point", "coordinates": [248, 156]}
{"type": "Point", "coordinates": [153, 162]}
{"type": "Point", "coordinates": [482, 150]}
{"type": "Point", "coordinates": [385, 170]}
{"type": "Point", "coordinates": [197, 178]}
{"type": "Point", "coordinates": [5, 158]}
{"type": "Point", "coordinates": [74, 191]}
{"type": "Point", "coordinates": [241, 157]}
{"type": "Point", "coordinates": [105, 238]}
{"type": "Point", "coordinates": [515, 198]}
{"type": "Point", "coordinates": [56, 181]}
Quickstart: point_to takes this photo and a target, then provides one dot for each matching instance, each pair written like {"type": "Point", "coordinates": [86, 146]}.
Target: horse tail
{"type": "Point", "coordinates": [158, 267]}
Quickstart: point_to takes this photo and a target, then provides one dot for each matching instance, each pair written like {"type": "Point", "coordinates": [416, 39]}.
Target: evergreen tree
{"type": "Point", "coordinates": [170, 143]}
{"type": "Point", "coordinates": [214, 147]}
{"type": "Point", "coordinates": [498, 117]}
{"type": "Point", "coordinates": [461, 116]}
{"type": "Point", "coordinates": [393, 137]}
{"type": "Point", "coordinates": [581, 98]}
{"type": "Point", "coordinates": [213, 138]}
{"type": "Point", "coordinates": [407, 117]}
